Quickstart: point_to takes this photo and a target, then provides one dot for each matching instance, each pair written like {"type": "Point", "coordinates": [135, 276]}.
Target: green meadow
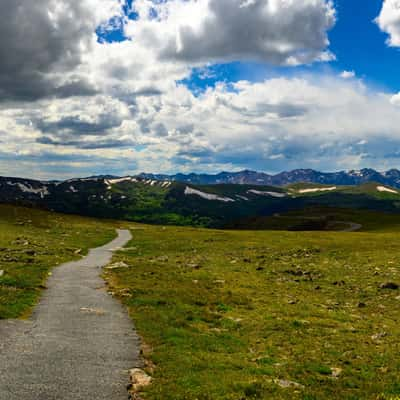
{"type": "Point", "coordinates": [266, 314]}
{"type": "Point", "coordinates": [32, 242]}
{"type": "Point", "coordinates": [236, 314]}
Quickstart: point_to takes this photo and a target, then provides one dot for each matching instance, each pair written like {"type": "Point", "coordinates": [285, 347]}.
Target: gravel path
{"type": "Point", "coordinates": [79, 343]}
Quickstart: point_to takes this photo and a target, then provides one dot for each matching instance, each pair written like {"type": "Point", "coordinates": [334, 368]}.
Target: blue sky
{"type": "Point", "coordinates": [356, 41]}
{"type": "Point", "coordinates": [360, 45]}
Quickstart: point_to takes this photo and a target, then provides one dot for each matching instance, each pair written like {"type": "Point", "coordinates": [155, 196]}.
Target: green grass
{"type": "Point", "coordinates": [230, 314]}
{"type": "Point", "coordinates": [31, 243]}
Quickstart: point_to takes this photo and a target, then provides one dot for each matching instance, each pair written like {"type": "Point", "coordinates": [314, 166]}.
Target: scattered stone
{"type": "Point", "coordinates": [1, 273]}
{"type": "Point", "coordinates": [236, 320]}
{"type": "Point", "coordinates": [219, 281]}
{"type": "Point", "coordinates": [163, 259]}
{"type": "Point", "coordinates": [139, 380]}
{"type": "Point", "coordinates": [129, 249]}
{"type": "Point", "coordinates": [283, 383]}
{"type": "Point", "coordinates": [125, 293]}
{"type": "Point", "coordinates": [379, 336]}
{"type": "Point", "coordinates": [260, 268]}
{"type": "Point", "coordinates": [195, 266]}
{"type": "Point", "coordinates": [336, 372]}
{"type": "Point", "coordinates": [79, 251]}
{"type": "Point", "coordinates": [390, 285]}
{"type": "Point", "coordinates": [362, 305]}
{"type": "Point", "coordinates": [120, 264]}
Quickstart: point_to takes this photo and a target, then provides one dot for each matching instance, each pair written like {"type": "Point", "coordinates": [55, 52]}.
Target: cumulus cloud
{"type": "Point", "coordinates": [389, 21]}
{"type": "Point", "coordinates": [119, 107]}
{"type": "Point", "coordinates": [348, 74]}
{"type": "Point", "coordinates": [41, 46]}
{"type": "Point", "coordinates": [281, 32]}
{"type": "Point", "coordinates": [281, 123]}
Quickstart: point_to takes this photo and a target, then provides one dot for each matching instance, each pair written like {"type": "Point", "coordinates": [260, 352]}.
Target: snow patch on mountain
{"type": "Point", "coordinates": [385, 189]}
{"type": "Point", "coordinates": [208, 196]}
{"type": "Point", "coordinates": [27, 188]}
{"type": "Point", "coordinates": [270, 194]}
{"type": "Point", "coordinates": [316, 190]}
{"type": "Point", "coordinates": [120, 180]}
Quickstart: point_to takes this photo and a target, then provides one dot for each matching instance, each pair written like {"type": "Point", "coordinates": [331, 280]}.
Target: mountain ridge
{"type": "Point", "coordinates": [211, 205]}
{"type": "Point", "coordinates": [248, 177]}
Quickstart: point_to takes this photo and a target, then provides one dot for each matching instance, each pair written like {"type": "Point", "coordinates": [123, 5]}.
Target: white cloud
{"type": "Point", "coordinates": [135, 117]}
{"type": "Point", "coordinates": [395, 100]}
{"type": "Point", "coordinates": [281, 32]}
{"type": "Point", "coordinates": [275, 124]}
{"type": "Point", "coordinates": [389, 21]}
{"type": "Point", "coordinates": [348, 74]}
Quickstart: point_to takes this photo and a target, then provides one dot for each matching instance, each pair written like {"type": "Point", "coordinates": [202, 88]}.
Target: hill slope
{"type": "Point", "coordinates": [168, 202]}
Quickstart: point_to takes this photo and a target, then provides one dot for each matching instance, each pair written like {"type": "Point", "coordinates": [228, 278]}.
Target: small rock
{"type": "Point", "coordinates": [120, 264]}
{"type": "Point", "coordinates": [139, 379]}
{"type": "Point", "coordinates": [237, 320]}
{"type": "Point", "coordinates": [379, 336]}
{"type": "Point", "coordinates": [79, 251]}
{"type": "Point", "coordinates": [362, 305]}
{"type": "Point", "coordinates": [283, 383]}
{"type": "Point", "coordinates": [336, 372]}
{"type": "Point", "coordinates": [389, 285]}
{"type": "Point", "coordinates": [219, 281]}
{"type": "Point", "coordinates": [1, 273]}
{"type": "Point", "coordinates": [195, 266]}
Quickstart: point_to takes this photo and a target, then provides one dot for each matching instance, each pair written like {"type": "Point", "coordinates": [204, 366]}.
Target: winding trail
{"type": "Point", "coordinates": [79, 343]}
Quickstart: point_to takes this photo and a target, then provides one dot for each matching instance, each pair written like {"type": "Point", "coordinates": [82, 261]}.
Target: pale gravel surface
{"type": "Point", "coordinates": [79, 343]}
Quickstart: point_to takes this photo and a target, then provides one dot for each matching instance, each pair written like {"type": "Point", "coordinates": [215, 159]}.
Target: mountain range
{"type": "Point", "coordinates": [390, 177]}
{"type": "Point", "coordinates": [165, 200]}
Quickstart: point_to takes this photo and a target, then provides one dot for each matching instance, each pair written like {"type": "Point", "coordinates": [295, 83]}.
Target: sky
{"type": "Point", "coordinates": [120, 87]}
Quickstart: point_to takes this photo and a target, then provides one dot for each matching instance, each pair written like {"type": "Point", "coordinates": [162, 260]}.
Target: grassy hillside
{"type": "Point", "coordinates": [31, 243]}
{"type": "Point", "coordinates": [320, 219]}
{"type": "Point", "coordinates": [266, 315]}
{"type": "Point", "coordinates": [173, 203]}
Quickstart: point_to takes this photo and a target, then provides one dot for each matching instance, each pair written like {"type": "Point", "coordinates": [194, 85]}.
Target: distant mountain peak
{"type": "Point", "coordinates": [249, 177]}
